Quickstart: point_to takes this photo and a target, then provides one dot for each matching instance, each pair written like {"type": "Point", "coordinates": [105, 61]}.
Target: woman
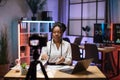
{"type": "Point", "coordinates": [57, 50]}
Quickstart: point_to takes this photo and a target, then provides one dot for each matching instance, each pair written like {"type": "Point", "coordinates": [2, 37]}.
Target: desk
{"type": "Point", "coordinates": [92, 73]}
{"type": "Point", "coordinates": [103, 50]}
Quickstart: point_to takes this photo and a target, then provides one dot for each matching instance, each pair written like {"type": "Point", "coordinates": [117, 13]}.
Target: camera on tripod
{"type": "Point", "coordinates": [37, 42]}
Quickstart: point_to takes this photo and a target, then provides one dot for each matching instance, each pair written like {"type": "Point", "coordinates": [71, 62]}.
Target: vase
{"type": "Point", "coordinates": [23, 71]}
{"type": "Point", "coordinates": [33, 18]}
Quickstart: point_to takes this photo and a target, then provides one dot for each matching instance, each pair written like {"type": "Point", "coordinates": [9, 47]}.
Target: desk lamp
{"type": "Point", "coordinates": [34, 42]}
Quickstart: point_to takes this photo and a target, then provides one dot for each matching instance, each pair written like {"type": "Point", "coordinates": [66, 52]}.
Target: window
{"type": "Point", "coordinates": [84, 13]}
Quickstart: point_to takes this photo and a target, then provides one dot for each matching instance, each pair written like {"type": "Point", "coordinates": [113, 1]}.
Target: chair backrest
{"type": "Point", "coordinates": [66, 39]}
{"type": "Point", "coordinates": [77, 40]}
{"type": "Point", "coordinates": [75, 52]}
{"type": "Point", "coordinates": [91, 51]}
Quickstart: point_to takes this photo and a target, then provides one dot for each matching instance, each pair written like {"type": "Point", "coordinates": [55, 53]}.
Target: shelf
{"type": "Point", "coordinates": [25, 30]}
{"type": "Point", "coordinates": [24, 57]}
{"type": "Point", "coordinates": [24, 38]}
{"type": "Point", "coordinates": [34, 27]}
{"type": "Point", "coordinates": [38, 21]}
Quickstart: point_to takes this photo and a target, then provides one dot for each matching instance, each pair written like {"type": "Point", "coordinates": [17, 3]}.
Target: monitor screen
{"type": "Point", "coordinates": [34, 42]}
{"type": "Point", "coordinates": [116, 33]}
{"type": "Point", "coordinates": [102, 33]}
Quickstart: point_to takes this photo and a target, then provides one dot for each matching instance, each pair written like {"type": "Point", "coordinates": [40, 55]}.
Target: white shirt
{"type": "Point", "coordinates": [54, 53]}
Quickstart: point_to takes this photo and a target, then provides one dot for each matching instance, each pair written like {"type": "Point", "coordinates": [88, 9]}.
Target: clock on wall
{"type": "Point", "coordinates": [3, 2]}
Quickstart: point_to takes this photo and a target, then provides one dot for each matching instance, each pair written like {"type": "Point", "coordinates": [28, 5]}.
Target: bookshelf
{"type": "Point", "coordinates": [25, 30]}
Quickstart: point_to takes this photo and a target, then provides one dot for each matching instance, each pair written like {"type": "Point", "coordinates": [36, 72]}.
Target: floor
{"type": "Point", "coordinates": [1, 79]}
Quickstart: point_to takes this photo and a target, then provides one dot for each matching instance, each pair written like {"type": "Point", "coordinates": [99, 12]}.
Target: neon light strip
{"type": "Point", "coordinates": [19, 26]}
{"type": "Point", "coordinates": [39, 21]}
{"type": "Point", "coordinates": [111, 31]}
{"type": "Point", "coordinates": [102, 27]}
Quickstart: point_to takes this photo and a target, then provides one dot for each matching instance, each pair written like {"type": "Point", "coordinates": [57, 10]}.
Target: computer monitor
{"type": "Point", "coordinates": [102, 33]}
{"type": "Point", "coordinates": [116, 33]}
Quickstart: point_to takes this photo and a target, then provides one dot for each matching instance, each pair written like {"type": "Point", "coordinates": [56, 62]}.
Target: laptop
{"type": "Point", "coordinates": [81, 65]}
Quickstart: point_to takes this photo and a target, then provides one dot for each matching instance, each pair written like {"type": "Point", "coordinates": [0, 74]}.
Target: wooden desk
{"type": "Point", "coordinates": [103, 50]}
{"type": "Point", "coordinates": [92, 73]}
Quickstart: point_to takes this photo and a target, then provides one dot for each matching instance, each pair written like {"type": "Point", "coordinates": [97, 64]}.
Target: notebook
{"type": "Point", "coordinates": [81, 65]}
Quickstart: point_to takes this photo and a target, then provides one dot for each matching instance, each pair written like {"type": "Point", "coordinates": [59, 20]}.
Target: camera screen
{"type": "Point", "coordinates": [34, 42]}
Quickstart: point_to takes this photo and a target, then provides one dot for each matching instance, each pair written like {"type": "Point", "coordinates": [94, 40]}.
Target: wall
{"type": "Point", "coordinates": [115, 11]}
{"type": "Point", "coordinates": [118, 11]}
{"type": "Point", "coordinates": [14, 10]}
{"type": "Point", "coordinates": [115, 15]}
{"type": "Point", "coordinates": [9, 14]}
{"type": "Point", "coordinates": [52, 5]}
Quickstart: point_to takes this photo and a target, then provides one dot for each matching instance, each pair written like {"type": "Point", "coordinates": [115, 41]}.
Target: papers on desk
{"type": "Point", "coordinates": [17, 67]}
{"type": "Point", "coordinates": [57, 67]}
{"type": "Point", "coordinates": [48, 67]}
{"type": "Point", "coordinates": [54, 67]}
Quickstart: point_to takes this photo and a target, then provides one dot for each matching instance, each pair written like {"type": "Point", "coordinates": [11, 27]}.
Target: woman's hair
{"type": "Point", "coordinates": [62, 26]}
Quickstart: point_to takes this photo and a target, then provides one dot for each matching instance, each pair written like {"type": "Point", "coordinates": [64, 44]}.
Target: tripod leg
{"type": "Point", "coordinates": [43, 70]}
{"type": "Point", "coordinates": [31, 74]}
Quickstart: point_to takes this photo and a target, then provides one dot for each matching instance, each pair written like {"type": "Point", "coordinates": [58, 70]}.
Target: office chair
{"type": "Point", "coordinates": [91, 51]}
{"type": "Point", "coordinates": [77, 40]}
{"type": "Point", "coordinates": [66, 39]}
{"type": "Point", "coordinates": [75, 52]}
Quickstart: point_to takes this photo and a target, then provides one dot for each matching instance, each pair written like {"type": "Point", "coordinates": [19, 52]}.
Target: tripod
{"type": "Point", "coordinates": [31, 74]}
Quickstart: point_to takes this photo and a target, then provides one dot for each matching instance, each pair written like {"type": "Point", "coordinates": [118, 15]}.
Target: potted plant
{"type": "Point", "coordinates": [4, 59]}
{"type": "Point", "coordinates": [24, 68]}
{"type": "Point", "coordinates": [35, 5]}
{"type": "Point", "coordinates": [86, 30]}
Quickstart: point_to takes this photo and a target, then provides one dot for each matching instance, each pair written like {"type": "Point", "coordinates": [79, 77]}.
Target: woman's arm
{"type": "Point", "coordinates": [68, 57]}
{"type": "Point", "coordinates": [44, 55]}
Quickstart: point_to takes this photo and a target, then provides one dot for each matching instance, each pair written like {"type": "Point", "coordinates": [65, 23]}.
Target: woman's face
{"type": "Point", "coordinates": [57, 34]}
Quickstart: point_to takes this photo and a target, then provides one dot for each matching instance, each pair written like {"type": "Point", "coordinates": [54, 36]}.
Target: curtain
{"type": "Point", "coordinates": [63, 11]}
{"type": "Point", "coordinates": [114, 10]}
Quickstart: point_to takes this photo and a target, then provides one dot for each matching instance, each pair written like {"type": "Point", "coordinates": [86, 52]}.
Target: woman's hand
{"type": "Point", "coordinates": [44, 57]}
{"type": "Point", "coordinates": [60, 60]}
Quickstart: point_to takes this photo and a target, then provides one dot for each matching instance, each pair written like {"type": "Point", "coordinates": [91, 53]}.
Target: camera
{"type": "Point", "coordinates": [37, 42]}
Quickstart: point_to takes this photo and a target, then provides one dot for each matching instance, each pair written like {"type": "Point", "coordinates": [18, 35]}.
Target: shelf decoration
{"type": "Point", "coordinates": [86, 30]}
{"type": "Point", "coordinates": [36, 5]}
